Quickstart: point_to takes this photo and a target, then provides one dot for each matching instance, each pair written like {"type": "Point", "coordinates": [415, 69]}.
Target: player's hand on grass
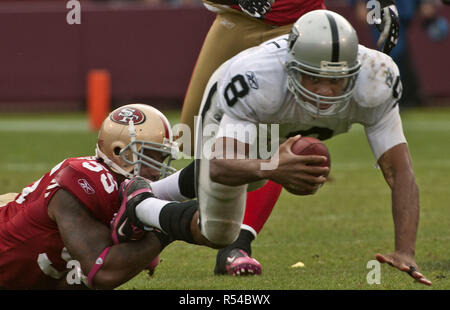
{"type": "Point", "coordinates": [404, 263]}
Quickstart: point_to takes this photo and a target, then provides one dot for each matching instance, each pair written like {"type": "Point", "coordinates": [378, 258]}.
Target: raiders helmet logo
{"type": "Point", "coordinates": [125, 115]}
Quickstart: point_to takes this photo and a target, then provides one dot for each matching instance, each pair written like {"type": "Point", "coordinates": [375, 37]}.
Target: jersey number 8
{"type": "Point", "coordinates": [238, 88]}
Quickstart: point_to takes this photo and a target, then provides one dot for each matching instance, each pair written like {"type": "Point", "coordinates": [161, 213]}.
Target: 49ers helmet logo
{"type": "Point", "coordinates": [125, 115]}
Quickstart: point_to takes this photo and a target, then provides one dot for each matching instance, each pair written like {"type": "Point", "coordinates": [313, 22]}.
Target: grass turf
{"type": "Point", "coordinates": [334, 233]}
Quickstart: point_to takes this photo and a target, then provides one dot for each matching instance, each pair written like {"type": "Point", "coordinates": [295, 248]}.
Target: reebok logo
{"type": "Point", "coordinates": [86, 186]}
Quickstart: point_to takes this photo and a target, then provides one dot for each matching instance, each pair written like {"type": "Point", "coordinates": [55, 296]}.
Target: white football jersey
{"type": "Point", "coordinates": [252, 89]}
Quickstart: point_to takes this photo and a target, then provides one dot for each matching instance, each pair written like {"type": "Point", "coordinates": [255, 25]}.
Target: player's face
{"type": "Point", "coordinates": [149, 172]}
{"type": "Point", "coordinates": [330, 87]}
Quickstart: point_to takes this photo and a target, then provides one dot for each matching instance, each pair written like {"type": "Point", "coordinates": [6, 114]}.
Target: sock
{"type": "Point", "coordinates": [147, 212]}
{"type": "Point", "coordinates": [176, 187]}
{"type": "Point", "coordinates": [168, 188]}
{"type": "Point", "coordinates": [243, 242]}
{"type": "Point", "coordinates": [186, 181]}
{"type": "Point", "coordinates": [259, 206]}
{"type": "Point", "coordinates": [175, 219]}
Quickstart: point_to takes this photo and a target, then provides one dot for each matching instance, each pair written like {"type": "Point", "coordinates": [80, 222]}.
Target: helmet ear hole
{"type": "Point", "coordinates": [117, 150]}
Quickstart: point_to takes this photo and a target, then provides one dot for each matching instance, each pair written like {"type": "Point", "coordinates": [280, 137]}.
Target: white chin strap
{"type": "Point", "coordinates": [114, 167]}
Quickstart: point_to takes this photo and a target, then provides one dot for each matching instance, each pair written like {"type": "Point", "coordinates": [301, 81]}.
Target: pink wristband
{"type": "Point", "coordinates": [97, 265]}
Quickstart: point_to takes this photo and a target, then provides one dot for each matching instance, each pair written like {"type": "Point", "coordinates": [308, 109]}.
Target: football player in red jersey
{"type": "Point", "coordinates": [61, 222]}
{"type": "Point", "coordinates": [240, 25]}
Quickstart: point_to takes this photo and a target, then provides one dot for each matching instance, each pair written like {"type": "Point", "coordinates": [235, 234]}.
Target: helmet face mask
{"type": "Point", "coordinates": [316, 104]}
{"type": "Point", "coordinates": [136, 136]}
{"type": "Point", "coordinates": [137, 153]}
{"type": "Point", "coordinates": [322, 45]}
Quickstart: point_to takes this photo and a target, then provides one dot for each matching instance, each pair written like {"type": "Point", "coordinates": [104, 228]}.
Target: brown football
{"type": "Point", "coordinates": [311, 146]}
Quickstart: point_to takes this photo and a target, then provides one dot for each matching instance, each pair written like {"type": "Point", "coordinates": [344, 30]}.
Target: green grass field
{"type": "Point", "coordinates": [334, 233]}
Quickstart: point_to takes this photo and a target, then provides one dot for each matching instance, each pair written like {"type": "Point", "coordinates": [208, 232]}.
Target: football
{"type": "Point", "coordinates": [311, 146]}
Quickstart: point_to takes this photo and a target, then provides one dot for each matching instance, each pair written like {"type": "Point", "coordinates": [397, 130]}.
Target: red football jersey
{"type": "Point", "coordinates": [286, 12]}
{"type": "Point", "coordinates": [32, 254]}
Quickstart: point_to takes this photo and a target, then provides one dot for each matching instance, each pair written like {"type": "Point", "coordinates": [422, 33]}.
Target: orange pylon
{"type": "Point", "coordinates": [98, 97]}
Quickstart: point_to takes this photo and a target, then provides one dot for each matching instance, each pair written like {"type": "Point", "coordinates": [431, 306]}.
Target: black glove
{"type": "Point", "coordinates": [389, 26]}
{"type": "Point", "coordinates": [255, 8]}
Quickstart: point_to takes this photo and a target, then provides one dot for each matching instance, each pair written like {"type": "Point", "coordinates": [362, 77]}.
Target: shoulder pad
{"type": "Point", "coordinates": [93, 185]}
{"type": "Point", "coordinates": [376, 80]}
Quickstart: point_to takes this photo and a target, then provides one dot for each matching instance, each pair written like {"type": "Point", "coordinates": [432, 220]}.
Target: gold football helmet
{"type": "Point", "coordinates": [131, 130]}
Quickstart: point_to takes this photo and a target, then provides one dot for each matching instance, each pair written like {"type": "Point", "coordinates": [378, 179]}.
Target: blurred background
{"type": "Point", "coordinates": [145, 51]}
{"type": "Point", "coordinates": [149, 48]}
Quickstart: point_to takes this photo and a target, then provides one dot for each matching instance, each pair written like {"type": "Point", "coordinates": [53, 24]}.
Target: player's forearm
{"type": "Point", "coordinates": [405, 210]}
{"type": "Point", "coordinates": [232, 164]}
{"type": "Point", "coordinates": [86, 238]}
{"type": "Point", "coordinates": [235, 172]}
{"type": "Point", "coordinates": [398, 172]}
{"type": "Point", "coordinates": [126, 260]}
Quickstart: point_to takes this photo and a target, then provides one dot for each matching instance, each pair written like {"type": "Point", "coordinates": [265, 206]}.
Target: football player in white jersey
{"type": "Point", "coordinates": [316, 81]}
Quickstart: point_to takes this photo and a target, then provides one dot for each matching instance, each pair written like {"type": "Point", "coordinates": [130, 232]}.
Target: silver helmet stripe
{"type": "Point", "coordinates": [334, 38]}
